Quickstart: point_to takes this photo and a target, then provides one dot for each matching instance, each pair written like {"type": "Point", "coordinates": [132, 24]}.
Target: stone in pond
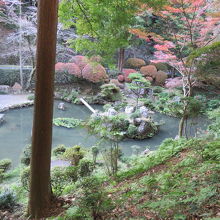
{"type": "Point", "coordinates": [61, 106]}
{"type": "Point", "coordinates": [112, 112]}
{"type": "Point", "coordinates": [4, 89]}
{"type": "Point", "coordinates": [2, 118]}
{"type": "Point", "coordinates": [146, 151]}
{"type": "Point", "coordinates": [129, 109]}
{"type": "Point", "coordinates": [144, 111]}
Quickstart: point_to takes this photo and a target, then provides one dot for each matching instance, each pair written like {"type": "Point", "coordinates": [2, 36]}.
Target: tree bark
{"type": "Point", "coordinates": [121, 57]}
{"type": "Point", "coordinates": [40, 189]}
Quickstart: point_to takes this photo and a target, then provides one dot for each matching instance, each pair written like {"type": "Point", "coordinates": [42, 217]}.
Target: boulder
{"type": "Point", "coordinates": [135, 63]}
{"type": "Point", "coordinates": [144, 111]}
{"type": "Point", "coordinates": [61, 106]}
{"type": "Point", "coordinates": [5, 89]}
{"type": "Point", "coordinates": [160, 78]}
{"type": "Point", "coordinates": [149, 70]}
{"type": "Point", "coordinates": [129, 109]}
{"type": "Point", "coordinates": [111, 112]}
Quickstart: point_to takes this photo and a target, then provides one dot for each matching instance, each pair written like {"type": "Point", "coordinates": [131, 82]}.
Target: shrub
{"type": "Point", "coordinates": [135, 63]}
{"type": "Point", "coordinates": [95, 73]}
{"type": "Point", "coordinates": [7, 200]}
{"type": "Point", "coordinates": [94, 199]}
{"type": "Point", "coordinates": [59, 150]}
{"type": "Point", "coordinates": [25, 178]}
{"type": "Point", "coordinates": [110, 92]}
{"type": "Point", "coordinates": [67, 122]}
{"type": "Point", "coordinates": [95, 152]}
{"type": "Point", "coordinates": [81, 61]}
{"type": "Point", "coordinates": [149, 70]}
{"type": "Point", "coordinates": [160, 78]}
{"type": "Point", "coordinates": [85, 168]}
{"type": "Point", "coordinates": [26, 155]}
{"type": "Point", "coordinates": [5, 164]}
{"type": "Point", "coordinates": [1, 175]}
{"type": "Point", "coordinates": [127, 72]}
{"type": "Point", "coordinates": [74, 154]}
{"type": "Point", "coordinates": [73, 69]}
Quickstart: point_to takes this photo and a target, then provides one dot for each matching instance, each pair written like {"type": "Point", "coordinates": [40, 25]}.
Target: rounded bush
{"type": "Point", "coordinates": [95, 73]}
{"type": "Point", "coordinates": [26, 155]}
{"type": "Point", "coordinates": [5, 165]}
{"type": "Point", "coordinates": [81, 61]}
{"type": "Point", "coordinates": [127, 72]}
{"type": "Point", "coordinates": [160, 78]}
{"type": "Point", "coordinates": [121, 78]}
{"type": "Point", "coordinates": [59, 150]}
{"type": "Point", "coordinates": [7, 199]}
{"type": "Point", "coordinates": [135, 63]}
{"type": "Point", "coordinates": [149, 70]}
{"type": "Point", "coordinates": [73, 69]}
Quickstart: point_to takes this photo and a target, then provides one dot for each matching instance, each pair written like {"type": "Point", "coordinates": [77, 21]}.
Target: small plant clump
{"type": "Point", "coordinates": [67, 122]}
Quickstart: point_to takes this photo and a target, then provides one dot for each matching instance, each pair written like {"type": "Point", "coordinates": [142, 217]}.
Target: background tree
{"type": "Point", "coordinates": [40, 189]}
{"type": "Point", "coordinates": [103, 26]}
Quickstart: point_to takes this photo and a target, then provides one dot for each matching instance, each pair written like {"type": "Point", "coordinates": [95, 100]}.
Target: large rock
{"type": "Point", "coordinates": [4, 89]}
{"type": "Point", "coordinates": [135, 63]}
{"type": "Point", "coordinates": [144, 111]}
{"type": "Point", "coordinates": [129, 109]}
{"type": "Point", "coordinates": [149, 71]}
{"type": "Point", "coordinates": [61, 106]}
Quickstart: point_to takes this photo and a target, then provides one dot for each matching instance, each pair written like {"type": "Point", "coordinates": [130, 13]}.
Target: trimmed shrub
{"type": "Point", "coordinates": [160, 78]}
{"type": "Point", "coordinates": [110, 92]}
{"type": "Point", "coordinates": [25, 178]}
{"type": "Point", "coordinates": [59, 150]}
{"type": "Point", "coordinates": [26, 155]}
{"type": "Point", "coordinates": [5, 164]}
{"type": "Point", "coordinates": [149, 70]}
{"type": "Point", "coordinates": [95, 73]}
{"type": "Point", "coordinates": [135, 63]}
{"type": "Point", "coordinates": [81, 61]}
{"type": "Point", "coordinates": [96, 58]}
{"type": "Point", "coordinates": [127, 72]}
{"type": "Point", "coordinates": [85, 168]}
{"type": "Point", "coordinates": [121, 78]}
{"type": "Point", "coordinates": [73, 69]}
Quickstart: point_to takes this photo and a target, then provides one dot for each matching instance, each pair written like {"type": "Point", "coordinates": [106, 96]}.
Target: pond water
{"type": "Point", "coordinates": [15, 133]}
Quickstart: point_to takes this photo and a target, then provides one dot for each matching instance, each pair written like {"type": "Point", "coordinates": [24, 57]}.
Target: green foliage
{"type": "Point", "coordinates": [25, 178]}
{"type": "Point", "coordinates": [94, 199]}
{"type": "Point", "coordinates": [7, 199]}
{"type": "Point", "coordinates": [67, 122]}
{"type": "Point", "coordinates": [74, 154]}
{"type": "Point", "coordinates": [26, 155]}
{"type": "Point", "coordinates": [93, 21]}
{"type": "Point", "coordinates": [85, 168]}
{"type": "Point", "coordinates": [110, 92]}
{"type": "Point", "coordinates": [137, 85]}
{"type": "Point", "coordinates": [95, 152]}
{"type": "Point", "coordinates": [62, 177]}
{"type": "Point", "coordinates": [31, 97]}
{"type": "Point", "coordinates": [215, 126]}
{"type": "Point", "coordinates": [5, 164]}
{"type": "Point", "coordinates": [59, 150]}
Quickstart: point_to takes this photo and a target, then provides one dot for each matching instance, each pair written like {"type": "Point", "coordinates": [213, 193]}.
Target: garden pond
{"type": "Point", "coordinates": [15, 132]}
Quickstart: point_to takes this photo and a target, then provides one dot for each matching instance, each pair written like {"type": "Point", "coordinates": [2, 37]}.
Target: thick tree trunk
{"type": "Point", "coordinates": [40, 190]}
{"type": "Point", "coordinates": [121, 57]}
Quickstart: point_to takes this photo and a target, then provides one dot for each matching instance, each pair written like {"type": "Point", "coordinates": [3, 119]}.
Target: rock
{"type": "Point", "coordinates": [137, 121]}
{"type": "Point", "coordinates": [111, 112]}
{"type": "Point", "coordinates": [176, 99]}
{"type": "Point", "coordinates": [117, 83]}
{"type": "Point", "coordinates": [135, 63]}
{"type": "Point", "coordinates": [121, 78]}
{"type": "Point", "coordinates": [129, 109]}
{"type": "Point", "coordinates": [160, 78]}
{"type": "Point", "coordinates": [146, 151]}
{"type": "Point", "coordinates": [149, 78]}
{"type": "Point", "coordinates": [61, 106]}
{"type": "Point", "coordinates": [16, 88]}
{"type": "Point", "coordinates": [4, 89]}
{"type": "Point", "coordinates": [144, 111]}
{"type": "Point", "coordinates": [149, 70]}
{"type": "Point", "coordinates": [2, 118]}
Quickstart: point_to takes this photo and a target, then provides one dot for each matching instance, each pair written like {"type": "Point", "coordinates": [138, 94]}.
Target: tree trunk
{"type": "Point", "coordinates": [40, 189]}
{"type": "Point", "coordinates": [121, 57]}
